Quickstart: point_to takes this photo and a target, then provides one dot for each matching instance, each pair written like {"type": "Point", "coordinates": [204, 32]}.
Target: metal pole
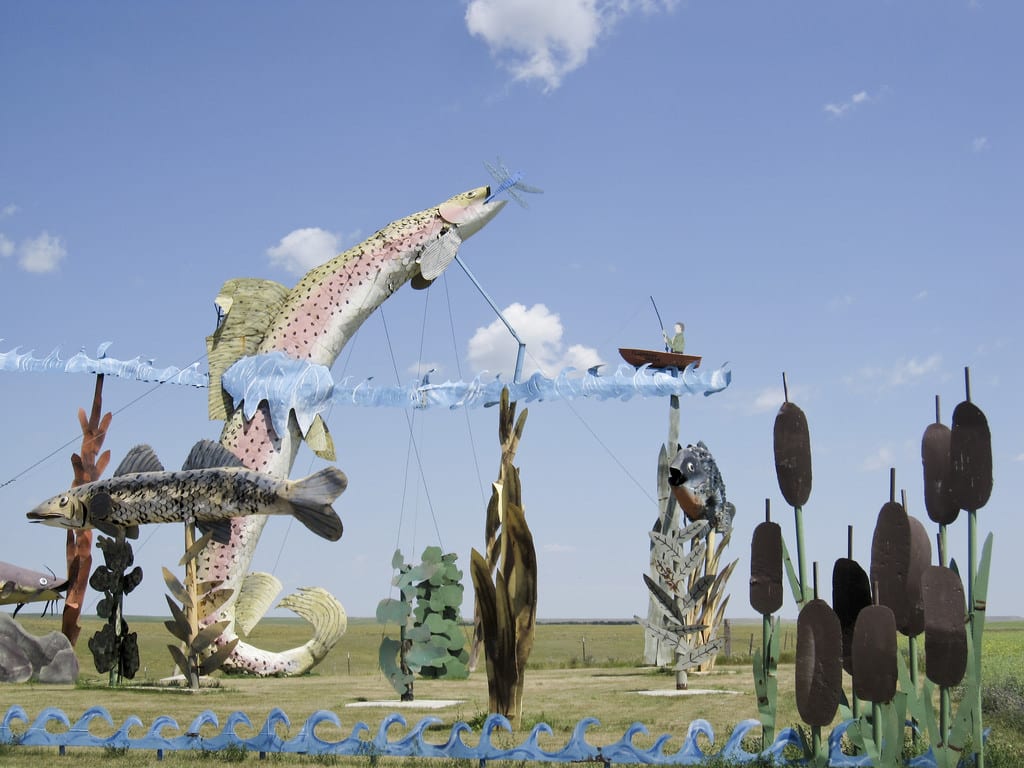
{"type": "Point", "coordinates": [522, 344]}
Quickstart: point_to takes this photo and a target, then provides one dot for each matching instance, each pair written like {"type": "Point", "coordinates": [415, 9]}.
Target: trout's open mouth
{"type": "Point", "coordinates": [692, 504]}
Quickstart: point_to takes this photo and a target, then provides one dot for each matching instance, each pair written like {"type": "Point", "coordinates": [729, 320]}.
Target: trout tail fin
{"type": "Point", "coordinates": [310, 500]}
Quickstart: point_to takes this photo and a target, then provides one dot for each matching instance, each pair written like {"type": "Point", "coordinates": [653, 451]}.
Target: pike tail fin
{"type": "Point", "coordinates": [310, 500]}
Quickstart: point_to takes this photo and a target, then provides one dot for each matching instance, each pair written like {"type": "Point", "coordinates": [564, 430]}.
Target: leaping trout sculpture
{"type": "Point", "coordinates": [312, 321]}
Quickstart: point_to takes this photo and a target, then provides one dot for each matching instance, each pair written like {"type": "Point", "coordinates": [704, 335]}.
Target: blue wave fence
{"type": "Point", "coordinates": [53, 728]}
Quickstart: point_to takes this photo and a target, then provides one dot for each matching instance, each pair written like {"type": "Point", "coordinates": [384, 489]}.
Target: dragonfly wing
{"type": "Point", "coordinates": [438, 254]}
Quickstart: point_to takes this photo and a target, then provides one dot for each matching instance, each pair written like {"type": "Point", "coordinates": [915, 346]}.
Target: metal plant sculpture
{"type": "Point", "coordinates": [197, 655]}
{"type": "Point", "coordinates": [906, 594]}
{"type": "Point", "coordinates": [506, 602]}
{"type": "Point", "coordinates": [676, 565]}
{"type": "Point", "coordinates": [114, 648]}
{"type": "Point", "coordinates": [431, 641]}
{"type": "Point", "coordinates": [688, 480]}
{"type": "Point", "coordinates": [88, 466]}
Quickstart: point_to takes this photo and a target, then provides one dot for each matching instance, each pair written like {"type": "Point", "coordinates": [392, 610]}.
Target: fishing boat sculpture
{"type": "Point", "coordinates": [658, 358]}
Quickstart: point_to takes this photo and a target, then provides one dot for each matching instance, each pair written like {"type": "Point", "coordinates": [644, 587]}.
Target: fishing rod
{"type": "Point", "coordinates": [660, 323]}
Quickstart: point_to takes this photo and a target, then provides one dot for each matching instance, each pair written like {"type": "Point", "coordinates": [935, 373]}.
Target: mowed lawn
{"type": "Point", "coordinates": [562, 686]}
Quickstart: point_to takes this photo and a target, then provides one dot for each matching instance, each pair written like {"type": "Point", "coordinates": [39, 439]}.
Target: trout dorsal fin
{"type": "Point", "coordinates": [141, 458]}
{"type": "Point", "coordinates": [206, 454]}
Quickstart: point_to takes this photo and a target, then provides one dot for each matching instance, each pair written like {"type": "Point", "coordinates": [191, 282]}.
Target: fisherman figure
{"type": "Point", "coordinates": [678, 342]}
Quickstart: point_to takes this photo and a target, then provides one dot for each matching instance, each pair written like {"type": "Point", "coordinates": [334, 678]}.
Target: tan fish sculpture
{"type": "Point", "coordinates": [210, 489]}
{"type": "Point", "coordinates": [312, 321]}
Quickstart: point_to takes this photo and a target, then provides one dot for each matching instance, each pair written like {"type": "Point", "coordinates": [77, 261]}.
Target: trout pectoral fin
{"type": "Point", "coordinates": [438, 254]}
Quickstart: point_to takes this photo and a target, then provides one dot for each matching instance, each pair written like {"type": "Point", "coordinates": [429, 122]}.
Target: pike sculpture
{"type": "Point", "coordinates": [311, 322]}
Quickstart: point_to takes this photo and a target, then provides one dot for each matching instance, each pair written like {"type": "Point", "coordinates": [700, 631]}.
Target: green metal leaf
{"type": "Point", "coordinates": [391, 611]}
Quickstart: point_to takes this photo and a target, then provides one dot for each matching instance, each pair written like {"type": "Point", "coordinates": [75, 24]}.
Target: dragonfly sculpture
{"type": "Point", "coordinates": [510, 182]}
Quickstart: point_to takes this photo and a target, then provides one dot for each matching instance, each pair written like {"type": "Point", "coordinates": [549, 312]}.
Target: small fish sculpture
{"type": "Point", "coordinates": [19, 586]}
{"type": "Point", "coordinates": [698, 487]}
{"type": "Point", "coordinates": [210, 489]}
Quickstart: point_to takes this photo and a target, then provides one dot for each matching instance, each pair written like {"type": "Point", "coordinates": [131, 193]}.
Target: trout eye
{"type": "Point", "coordinates": [63, 501]}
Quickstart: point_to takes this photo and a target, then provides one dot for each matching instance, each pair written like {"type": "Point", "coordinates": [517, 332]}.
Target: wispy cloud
{"type": "Point", "coordinates": [544, 40]}
{"type": "Point", "coordinates": [883, 458]}
{"type": "Point", "coordinates": [841, 108]}
{"type": "Point", "coordinates": [559, 548]}
{"type": "Point", "coordinates": [6, 246]}
{"type": "Point", "coordinates": [493, 349]}
{"type": "Point", "coordinates": [1019, 457]}
{"type": "Point", "coordinates": [772, 398]}
{"type": "Point", "coordinates": [302, 249]}
{"type": "Point", "coordinates": [901, 372]}
{"type": "Point", "coordinates": [839, 303]}
{"type": "Point", "coordinates": [9, 210]}
{"type": "Point", "coordinates": [980, 144]}
{"type": "Point", "coordinates": [42, 253]}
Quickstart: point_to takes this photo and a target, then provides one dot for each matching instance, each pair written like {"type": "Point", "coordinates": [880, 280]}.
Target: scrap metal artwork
{"type": "Point", "coordinates": [505, 577]}
{"type": "Point", "coordinates": [431, 642]}
{"type": "Point", "coordinates": [875, 673]}
{"type": "Point", "coordinates": [819, 670]}
{"type": "Point", "coordinates": [851, 593]}
{"type": "Point", "coordinates": [939, 500]}
{"type": "Point", "coordinates": [793, 454]}
{"type": "Point", "coordinates": [114, 648]}
{"type": "Point", "coordinates": [945, 634]}
{"type": "Point", "coordinates": [766, 592]}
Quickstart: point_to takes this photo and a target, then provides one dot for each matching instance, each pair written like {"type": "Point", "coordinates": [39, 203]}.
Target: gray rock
{"type": "Point", "coordinates": [23, 657]}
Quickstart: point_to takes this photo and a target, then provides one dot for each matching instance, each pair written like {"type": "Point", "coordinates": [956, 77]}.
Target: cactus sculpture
{"type": "Point", "coordinates": [431, 642]}
{"type": "Point", "coordinates": [506, 603]}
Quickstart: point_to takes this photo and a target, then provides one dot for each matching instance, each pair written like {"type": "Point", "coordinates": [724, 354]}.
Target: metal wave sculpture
{"type": "Point", "coordinates": [309, 389]}
{"type": "Point", "coordinates": [44, 732]}
{"type": "Point", "coordinates": [53, 728]}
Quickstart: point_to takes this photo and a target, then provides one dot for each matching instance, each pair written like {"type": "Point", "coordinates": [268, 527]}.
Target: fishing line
{"type": "Point", "coordinates": [458, 369]}
{"type": "Point", "coordinates": [412, 436]}
{"type": "Point", "coordinates": [75, 439]}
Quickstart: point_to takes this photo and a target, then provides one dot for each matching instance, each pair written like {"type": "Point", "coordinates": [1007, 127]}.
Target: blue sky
{"type": "Point", "coordinates": [826, 189]}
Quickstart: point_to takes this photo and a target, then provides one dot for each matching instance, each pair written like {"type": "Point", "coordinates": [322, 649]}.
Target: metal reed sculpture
{"type": "Point", "coordinates": [506, 602]}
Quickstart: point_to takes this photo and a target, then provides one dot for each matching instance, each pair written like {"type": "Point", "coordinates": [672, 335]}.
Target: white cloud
{"type": "Point", "coordinates": [1019, 457]}
{"type": "Point", "coordinates": [42, 253]}
{"type": "Point", "coordinates": [9, 210]}
{"type": "Point", "coordinates": [979, 144]}
{"type": "Point", "coordinates": [6, 246]}
{"type": "Point", "coordinates": [545, 40]}
{"type": "Point", "coordinates": [302, 249]}
{"type": "Point", "coordinates": [841, 108]}
{"type": "Point", "coordinates": [493, 349]}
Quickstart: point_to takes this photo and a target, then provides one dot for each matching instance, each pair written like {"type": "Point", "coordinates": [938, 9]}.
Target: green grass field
{"type": "Point", "coordinates": [562, 687]}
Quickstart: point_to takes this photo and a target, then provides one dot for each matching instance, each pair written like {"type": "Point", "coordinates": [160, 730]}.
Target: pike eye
{"type": "Point", "coordinates": [64, 501]}
{"type": "Point", "coordinates": [690, 466]}
{"type": "Point", "coordinates": [43, 581]}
